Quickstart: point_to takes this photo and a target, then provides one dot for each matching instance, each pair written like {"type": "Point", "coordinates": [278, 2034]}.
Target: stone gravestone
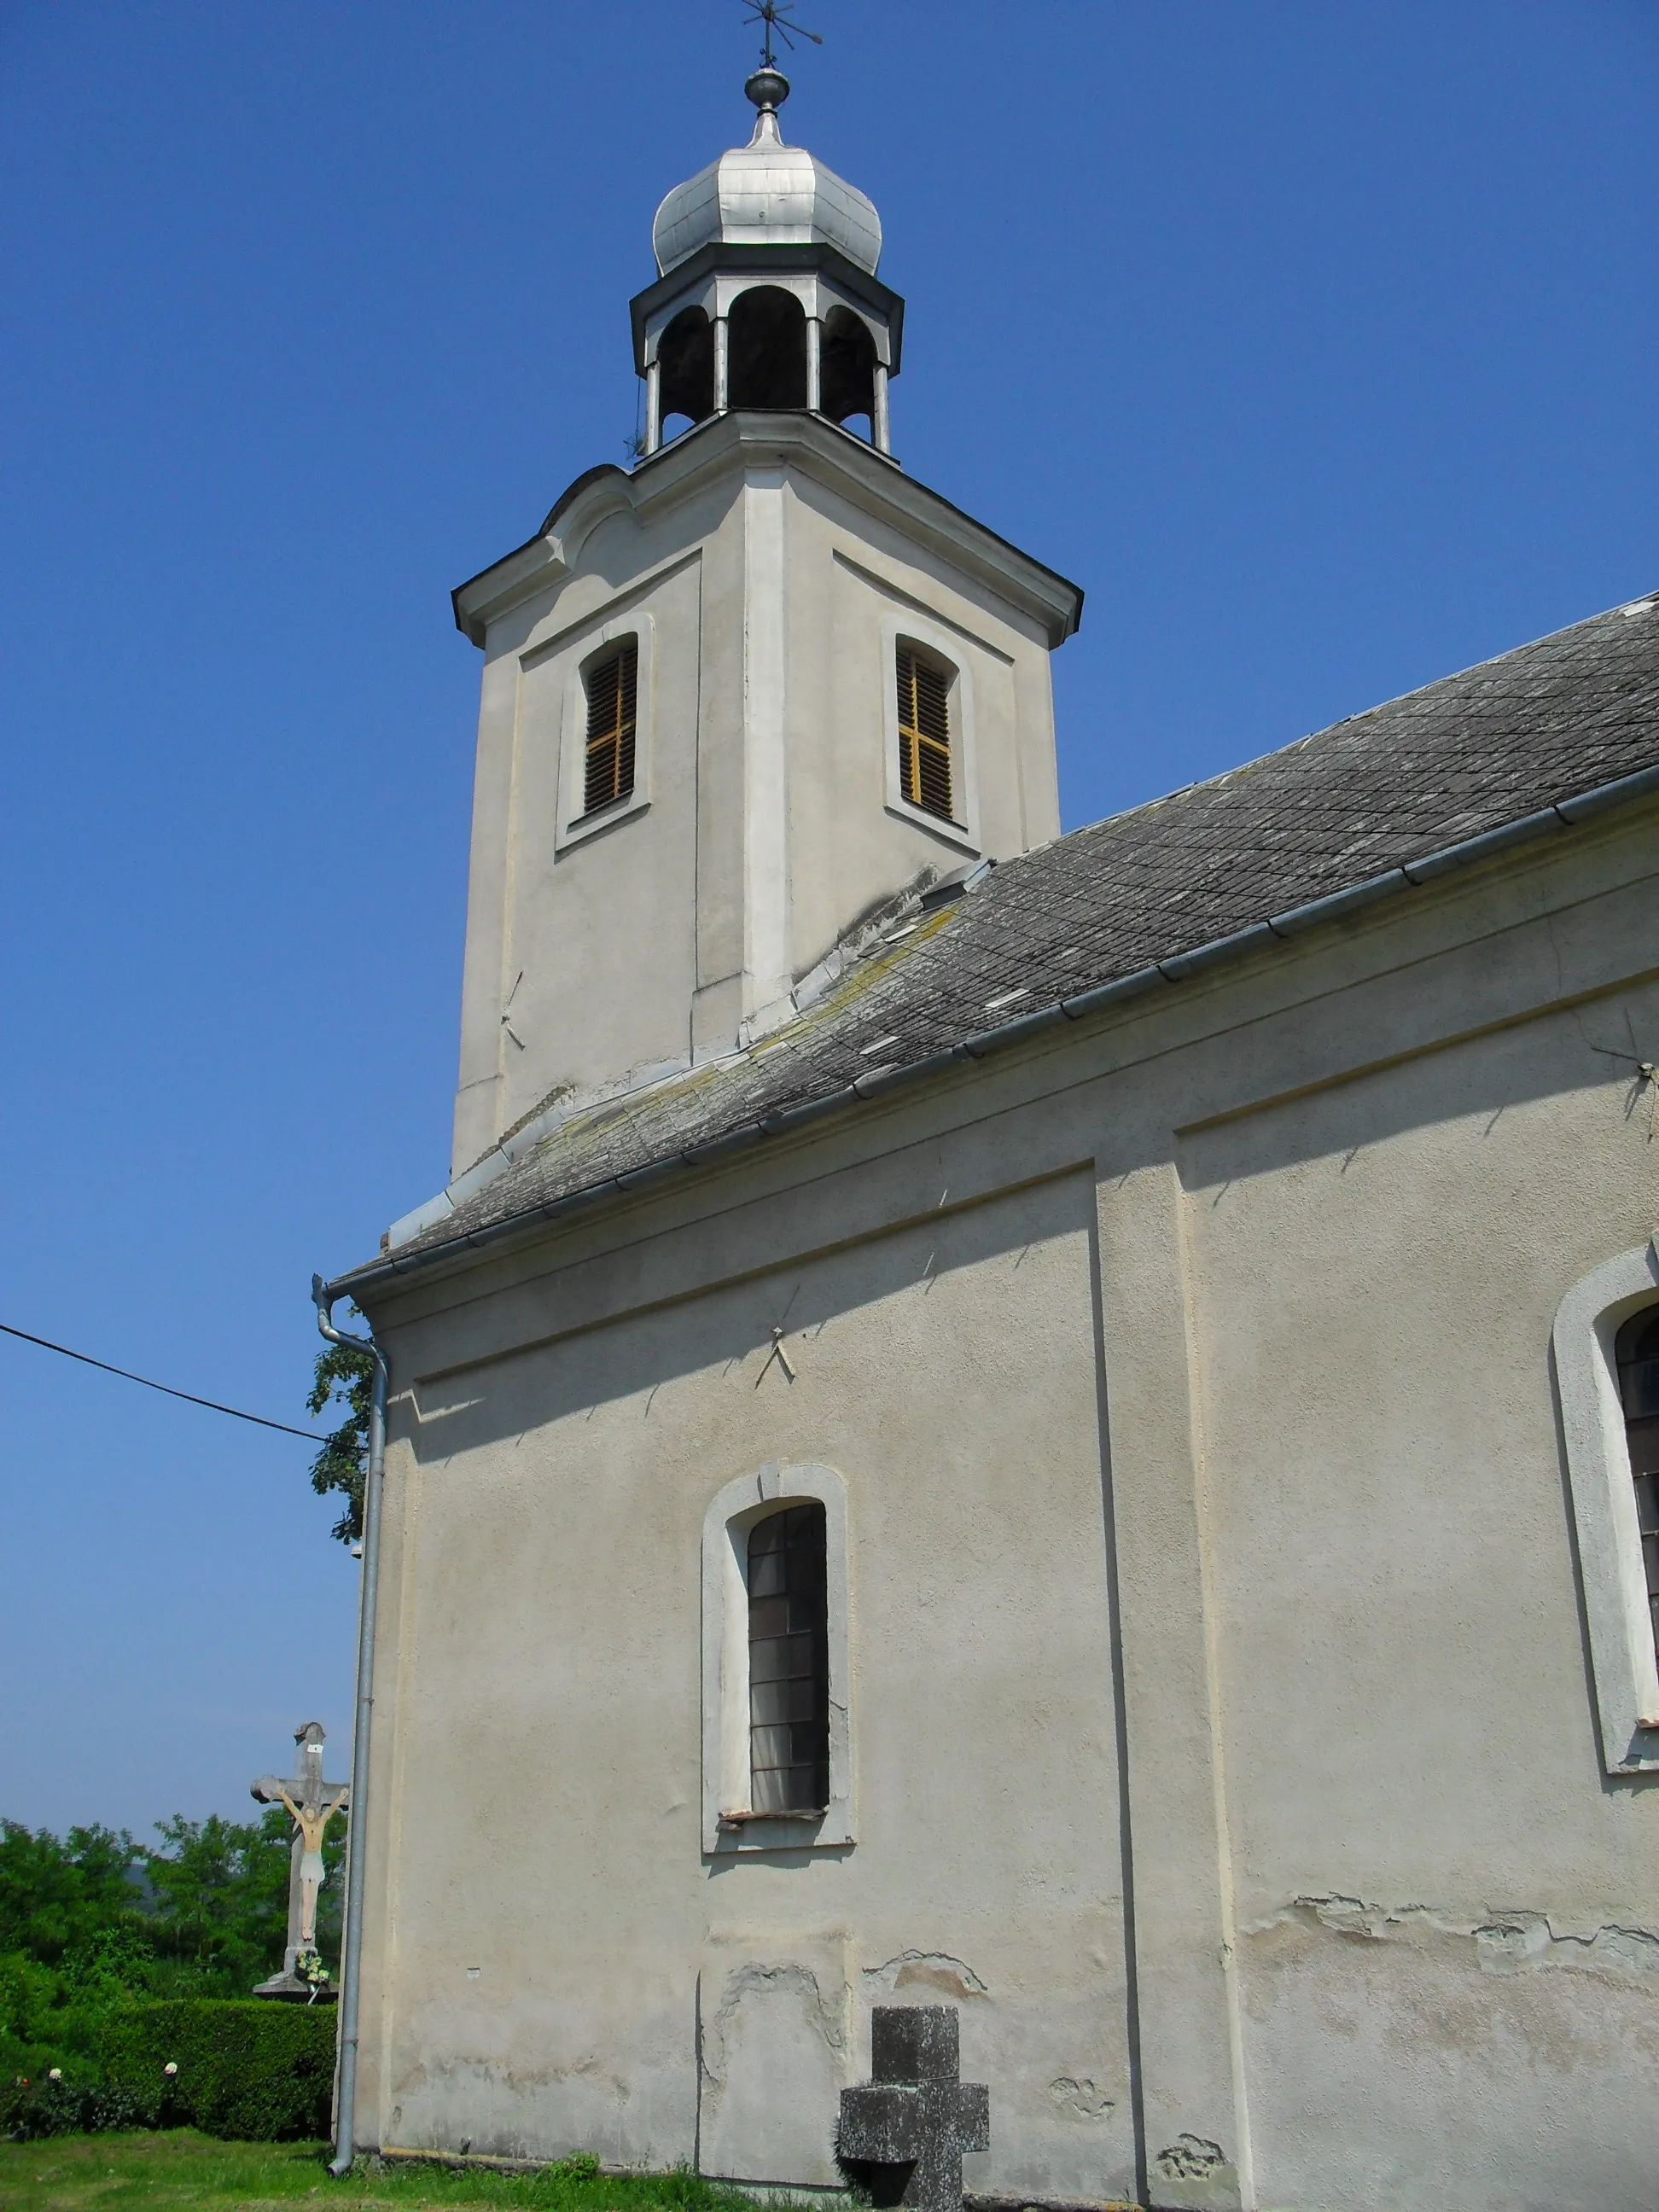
{"type": "Point", "coordinates": [312, 1803]}
{"type": "Point", "coordinates": [909, 2125]}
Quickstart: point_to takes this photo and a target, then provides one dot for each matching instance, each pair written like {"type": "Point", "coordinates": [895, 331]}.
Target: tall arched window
{"type": "Point", "coordinates": [1635, 1350]}
{"type": "Point", "coordinates": [788, 1662]}
{"type": "Point", "coordinates": [766, 349]}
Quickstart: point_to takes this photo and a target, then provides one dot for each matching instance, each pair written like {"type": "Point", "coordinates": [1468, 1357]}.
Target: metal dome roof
{"type": "Point", "coordinates": [766, 193]}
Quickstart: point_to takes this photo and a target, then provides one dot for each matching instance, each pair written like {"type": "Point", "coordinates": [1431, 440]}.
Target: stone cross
{"type": "Point", "coordinates": [313, 1804]}
{"type": "Point", "coordinates": [916, 2118]}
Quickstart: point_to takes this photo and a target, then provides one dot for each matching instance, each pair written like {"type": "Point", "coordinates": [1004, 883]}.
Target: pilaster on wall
{"type": "Point", "coordinates": [766, 827]}
{"type": "Point", "coordinates": [477, 1100]}
{"type": "Point", "coordinates": [1191, 2088]}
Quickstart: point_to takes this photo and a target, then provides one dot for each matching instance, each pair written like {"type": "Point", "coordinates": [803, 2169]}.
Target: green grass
{"type": "Point", "coordinates": [75, 2173]}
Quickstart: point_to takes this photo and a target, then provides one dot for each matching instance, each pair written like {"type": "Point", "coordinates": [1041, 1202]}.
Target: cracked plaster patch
{"type": "Point", "coordinates": [1080, 2099]}
{"type": "Point", "coordinates": [1190, 2157]}
{"type": "Point", "coordinates": [1506, 1942]}
{"type": "Point", "coordinates": [823, 2018]}
{"type": "Point", "coordinates": [932, 1970]}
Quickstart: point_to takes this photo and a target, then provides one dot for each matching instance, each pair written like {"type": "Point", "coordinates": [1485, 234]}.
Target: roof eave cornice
{"type": "Point", "coordinates": [450, 1254]}
{"type": "Point", "coordinates": [821, 449]}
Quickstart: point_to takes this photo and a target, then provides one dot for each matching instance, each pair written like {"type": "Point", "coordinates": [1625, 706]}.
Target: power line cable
{"type": "Point", "coordinates": [167, 1389]}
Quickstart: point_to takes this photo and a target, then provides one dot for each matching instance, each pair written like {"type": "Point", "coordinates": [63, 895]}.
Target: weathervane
{"type": "Point", "coordinates": [777, 16]}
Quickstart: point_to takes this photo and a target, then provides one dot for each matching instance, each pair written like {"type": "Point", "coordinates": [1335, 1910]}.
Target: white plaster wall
{"type": "Point", "coordinates": [1434, 1883]}
{"type": "Point", "coordinates": [767, 832]}
{"type": "Point", "coordinates": [850, 849]}
{"type": "Point", "coordinates": [1392, 1928]}
{"type": "Point", "coordinates": [549, 1645]}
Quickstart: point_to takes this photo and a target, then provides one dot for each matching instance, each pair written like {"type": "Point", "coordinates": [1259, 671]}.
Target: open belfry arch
{"type": "Point", "coordinates": [1053, 1429]}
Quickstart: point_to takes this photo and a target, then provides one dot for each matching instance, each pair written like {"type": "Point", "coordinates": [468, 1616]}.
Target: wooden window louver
{"type": "Point", "coordinates": [788, 1663]}
{"type": "Point", "coordinates": [1635, 1350]}
{"type": "Point", "coordinates": [924, 716]}
{"type": "Point", "coordinates": [613, 698]}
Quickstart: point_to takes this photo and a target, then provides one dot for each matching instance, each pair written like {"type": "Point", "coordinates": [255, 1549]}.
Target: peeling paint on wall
{"type": "Point", "coordinates": [1505, 1942]}
{"type": "Point", "coordinates": [1079, 2099]}
{"type": "Point", "coordinates": [773, 2064]}
{"type": "Point", "coordinates": [1190, 2157]}
{"type": "Point", "coordinates": [928, 1970]}
{"type": "Point", "coordinates": [823, 2020]}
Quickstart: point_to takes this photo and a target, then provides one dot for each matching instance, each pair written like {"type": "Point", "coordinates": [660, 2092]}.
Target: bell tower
{"type": "Point", "coordinates": [767, 294]}
{"type": "Point", "coordinates": [741, 696]}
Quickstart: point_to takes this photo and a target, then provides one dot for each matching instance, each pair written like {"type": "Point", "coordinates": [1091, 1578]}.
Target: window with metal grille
{"type": "Point", "coordinates": [1636, 1349]}
{"type": "Point", "coordinates": [924, 719]}
{"type": "Point", "coordinates": [788, 1663]}
{"type": "Point", "coordinates": [612, 689]}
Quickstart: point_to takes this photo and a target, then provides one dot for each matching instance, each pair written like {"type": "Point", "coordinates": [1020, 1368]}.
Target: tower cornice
{"type": "Point", "coordinates": [735, 443]}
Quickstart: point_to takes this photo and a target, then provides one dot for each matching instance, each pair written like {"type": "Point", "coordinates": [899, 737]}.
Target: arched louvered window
{"type": "Point", "coordinates": [612, 686]}
{"type": "Point", "coordinates": [1636, 1349]}
{"type": "Point", "coordinates": [788, 1662]}
{"type": "Point", "coordinates": [924, 721]}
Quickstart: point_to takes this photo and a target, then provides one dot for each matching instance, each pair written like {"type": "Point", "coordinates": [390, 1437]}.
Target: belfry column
{"type": "Point", "coordinates": [880, 429]}
{"type": "Point", "coordinates": [721, 384]}
{"type": "Point", "coordinates": [653, 407]}
{"type": "Point", "coordinates": [814, 364]}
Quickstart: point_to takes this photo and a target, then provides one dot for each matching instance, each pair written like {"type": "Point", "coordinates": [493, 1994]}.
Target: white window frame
{"type": "Point", "coordinates": [574, 827]}
{"type": "Point", "coordinates": [910, 628]}
{"type": "Point", "coordinates": [731, 1515]}
{"type": "Point", "coordinates": [1622, 1656]}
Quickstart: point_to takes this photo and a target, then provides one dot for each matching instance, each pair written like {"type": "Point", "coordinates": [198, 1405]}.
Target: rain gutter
{"type": "Point", "coordinates": [1336, 906]}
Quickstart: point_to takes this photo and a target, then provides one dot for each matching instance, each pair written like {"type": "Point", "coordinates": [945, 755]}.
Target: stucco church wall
{"type": "Point", "coordinates": [1436, 1891]}
{"type": "Point", "coordinates": [608, 920]}
{"type": "Point", "coordinates": [1391, 1924]}
{"type": "Point", "coordinates": [762, 790]}
{"type": "Point", "coordinates": [573, 1941]}
{"type": "Point", "coordinates": [852, 588]}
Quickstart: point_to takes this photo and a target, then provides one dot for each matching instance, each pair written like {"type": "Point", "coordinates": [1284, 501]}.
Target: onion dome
{"type": "Point", "coordinates": [767, 193]}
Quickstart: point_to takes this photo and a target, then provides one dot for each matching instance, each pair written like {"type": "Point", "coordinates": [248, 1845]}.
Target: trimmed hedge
{"type": "Point", "coordinates": [252, 2071]}
{"type": "Point", "coordinates": [29, 2109]}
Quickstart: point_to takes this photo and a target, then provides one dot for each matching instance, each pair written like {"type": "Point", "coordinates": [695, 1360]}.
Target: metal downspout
{"type": "Point", "coordinates": [357, 1833]}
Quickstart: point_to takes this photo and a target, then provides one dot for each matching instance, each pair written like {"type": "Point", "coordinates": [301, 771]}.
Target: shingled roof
{"type": "Point", "coordinates": [1517, 747]}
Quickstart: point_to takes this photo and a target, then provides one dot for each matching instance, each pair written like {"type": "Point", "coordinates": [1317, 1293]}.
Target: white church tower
{"type": "Point", "coordinates": [738, 698]}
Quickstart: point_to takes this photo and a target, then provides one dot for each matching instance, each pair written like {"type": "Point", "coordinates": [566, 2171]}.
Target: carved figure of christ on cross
{"type": "Point", "coordinates": [311, 1804]}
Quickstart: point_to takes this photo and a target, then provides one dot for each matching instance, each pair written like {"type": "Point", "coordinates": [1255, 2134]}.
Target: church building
{"type": "Point", "coordinates": [1062, 1425]}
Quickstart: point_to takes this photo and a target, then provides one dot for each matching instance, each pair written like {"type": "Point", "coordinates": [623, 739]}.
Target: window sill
{"type": "Point", "coordinates": [951, 833]}
{"type": "Point", "coordinates": [740, 1835]}
{"type": "Point", "coordinates": [796, 1813]}
{"type": "Point", "coordinates": [602, 818]}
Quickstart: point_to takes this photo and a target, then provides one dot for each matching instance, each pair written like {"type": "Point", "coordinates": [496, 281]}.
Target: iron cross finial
{"type": "Point", "coordinates": [777, 16]}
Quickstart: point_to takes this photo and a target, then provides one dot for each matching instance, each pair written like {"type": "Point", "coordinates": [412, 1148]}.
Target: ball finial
{"type": "Point", "coordinates": [769, 89]}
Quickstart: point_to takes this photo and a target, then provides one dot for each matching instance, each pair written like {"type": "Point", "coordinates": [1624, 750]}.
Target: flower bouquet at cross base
{"type": "Point", "coordinates": [308, 1967]}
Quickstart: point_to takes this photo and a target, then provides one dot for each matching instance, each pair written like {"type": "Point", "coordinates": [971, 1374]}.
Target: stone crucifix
{"type": "Point", "coordinates": [311, 1804]}
{"type": "Point", "coordinates": [909, 2126]}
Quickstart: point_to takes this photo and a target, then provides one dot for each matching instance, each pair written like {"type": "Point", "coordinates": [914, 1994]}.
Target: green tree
{"type": "Point", "coordinates": [221, 1896]}
{"type": "Point", "coordinates": [58, 1894]}
{"type": "Point", "coordinates": [91, 1921]}
{"type": "Point", "coordinates": [345, 1376]}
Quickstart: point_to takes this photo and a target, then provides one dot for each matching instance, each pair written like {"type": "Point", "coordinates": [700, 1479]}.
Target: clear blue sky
{"type": "Point", "coordinates": [1317, 343]}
